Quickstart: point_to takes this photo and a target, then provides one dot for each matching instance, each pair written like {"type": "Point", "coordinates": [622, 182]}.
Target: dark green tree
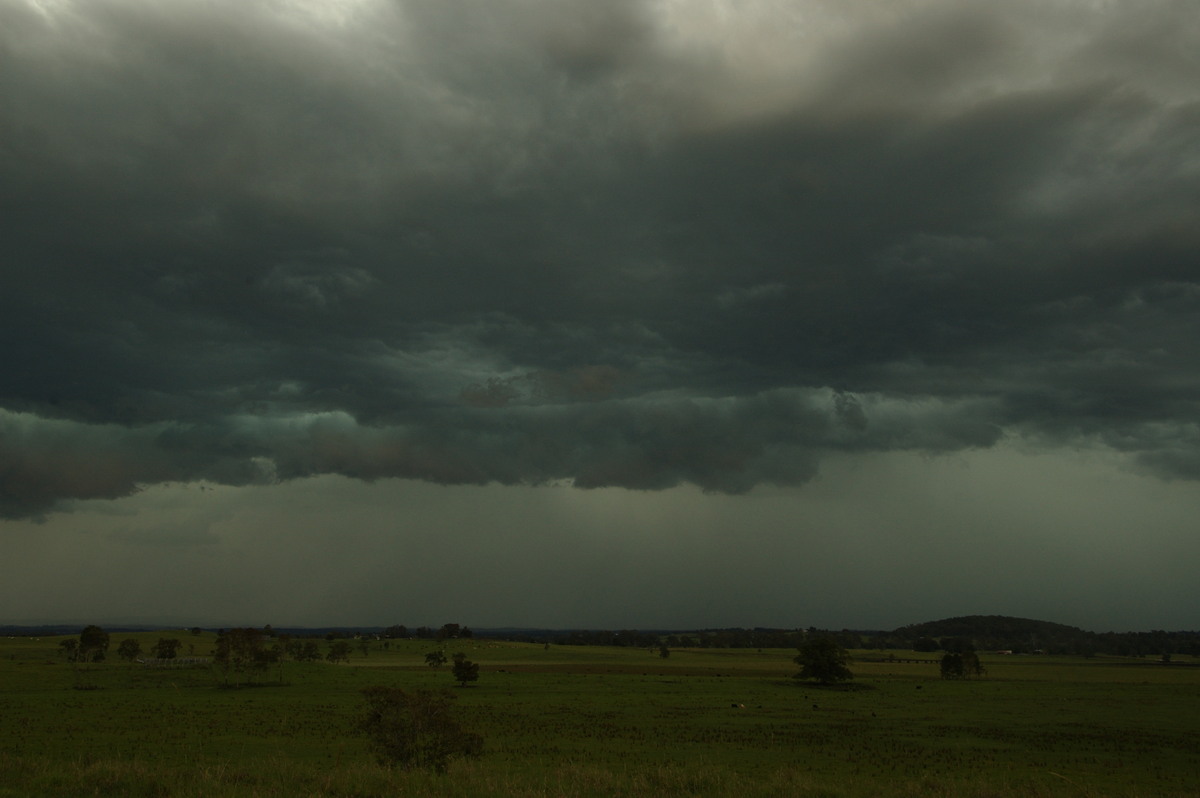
{"type": "Point", "coordinates": [166, 648]}
{"type": "Point", "coordinates": [129, 649]}
{"type": "Point", "coordinates": [961, 664]}
{"type": "Point", "coordinates": [822, 659]}
{"type": "Point", "coordinates": [415, 729]}
{"type": "Point", "coordinates": [436, 658]}
{"type": "Point", "coordinates": [93, 644]}
{"type": "Point", "coordinates": [663, 651]}
{"type": "Point", "coordinates": [464, 670]}
{"type": "Point", "coordinates": [242, 652]}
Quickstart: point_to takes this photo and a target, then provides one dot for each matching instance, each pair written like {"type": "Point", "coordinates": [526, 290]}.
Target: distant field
{"type": "Point", "coordinates": [592, 721]}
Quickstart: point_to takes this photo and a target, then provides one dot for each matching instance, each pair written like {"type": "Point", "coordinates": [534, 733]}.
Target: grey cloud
{"type": "Point", "coordinates": [43, 461]}
{"type": "Point", "coordinates": [588, 243]}
{"type": "Point", "coordinates": [648, 442]}
{"type": "Point", "coordinates": [589, 382]}
{"type": "Point", "coordinates": [578, 38]}
{"type": "Point", "coordinates": [186, 537]}
{"type": "Point", "coordinates": [316, 286]}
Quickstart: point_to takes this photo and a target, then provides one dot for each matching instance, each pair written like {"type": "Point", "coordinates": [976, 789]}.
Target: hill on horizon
{"type": "Point", "coordinates": [998, 625]}
{"type": "Point", "coordinates": [1026, 635]}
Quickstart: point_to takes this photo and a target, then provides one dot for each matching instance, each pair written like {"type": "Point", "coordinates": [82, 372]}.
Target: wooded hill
{"type": "Point", "coordinates": [1027, 636]}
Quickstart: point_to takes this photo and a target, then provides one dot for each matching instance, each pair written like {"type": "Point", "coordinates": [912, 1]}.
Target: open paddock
{"type": "Point", "coordinates": [589, 721]}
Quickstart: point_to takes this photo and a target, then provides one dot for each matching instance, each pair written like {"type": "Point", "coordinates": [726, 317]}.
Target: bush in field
{"type": "Point", "coordinates": [465, 670]}
{"type": "Point", "coordinates": [415, 729]}
{"type": "Point", "coordinates": [821, 658]}
{"type": "Point", "coordinates": [435, 659]}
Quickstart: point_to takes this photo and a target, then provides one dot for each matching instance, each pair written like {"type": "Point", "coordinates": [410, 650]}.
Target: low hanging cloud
{"type": "Point", "coordinates": [644, 443]}
{"type": "Point", "coordinates": [638, 244]}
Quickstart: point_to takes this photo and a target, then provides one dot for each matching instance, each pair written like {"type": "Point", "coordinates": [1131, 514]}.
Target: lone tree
{"type": "Point", "coordinates": [129, 649]}
{"type": "Point", "coordinates": [166, 648]}
{"type": "Point", "coordinates": [435, 659]}
{"type": "Point", "coordinates": [465, 670]}
{"type": "Point", "coordinates": [961, 661]}
{"type": "Point", "coordinates": [93, 644]}
{"type": "Point", "coordinates": [822, 659]}
{"type": "Point", "coordinates": [415, 729]}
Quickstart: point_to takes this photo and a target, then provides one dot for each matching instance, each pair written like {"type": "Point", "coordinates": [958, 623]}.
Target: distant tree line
{"type": "Point", "coordinates": [708, 638]}
{"type": "Point", "coordinates": [447, 631]}
{"type": "Point", "coordinates": [984, 633]}
{"type": "Point", "coordinates": [981, 632]}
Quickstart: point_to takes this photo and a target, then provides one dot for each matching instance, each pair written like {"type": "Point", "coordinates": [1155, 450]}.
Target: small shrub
{"type": "Point", "coordinates": [415, 729]}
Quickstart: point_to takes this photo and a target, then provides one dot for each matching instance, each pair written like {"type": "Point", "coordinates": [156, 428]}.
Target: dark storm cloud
{"type": "Point", "coordinates": [623, 244]}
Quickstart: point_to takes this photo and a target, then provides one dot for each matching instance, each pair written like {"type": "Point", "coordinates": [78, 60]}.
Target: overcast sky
{"type": "Point", "coordinates": [633, 313]}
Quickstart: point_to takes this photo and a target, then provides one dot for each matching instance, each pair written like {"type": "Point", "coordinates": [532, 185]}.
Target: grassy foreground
{"type": "Point", "coordinates": [568, 721]}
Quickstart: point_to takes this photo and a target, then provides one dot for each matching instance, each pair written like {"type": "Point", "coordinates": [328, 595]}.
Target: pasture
{"type": "Point", "coordinates": [598, 721]}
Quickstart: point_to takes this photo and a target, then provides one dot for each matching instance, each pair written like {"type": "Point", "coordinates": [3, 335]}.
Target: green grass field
{"type": "Point", "coordinates": [591, 721]}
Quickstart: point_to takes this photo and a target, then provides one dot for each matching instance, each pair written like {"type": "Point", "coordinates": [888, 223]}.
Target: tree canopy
{"type": "Point", "coordinates": [129, 649]}
{"type": "Point", "coordinates": [465, 670]}
{"type": "Point", "coordinates": [93, 643]}
{"type": "Point", "coordinates": [822, 659]}
{"type": "Point", "coordinates": [961, 661]}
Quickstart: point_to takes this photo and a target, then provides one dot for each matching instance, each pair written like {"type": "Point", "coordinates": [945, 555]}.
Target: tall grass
{"type": "Point", "coordinates": [286, 779]}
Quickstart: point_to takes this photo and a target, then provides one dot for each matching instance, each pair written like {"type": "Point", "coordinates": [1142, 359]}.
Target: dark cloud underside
{"type": "Point", "coordinates": [621, 244]}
